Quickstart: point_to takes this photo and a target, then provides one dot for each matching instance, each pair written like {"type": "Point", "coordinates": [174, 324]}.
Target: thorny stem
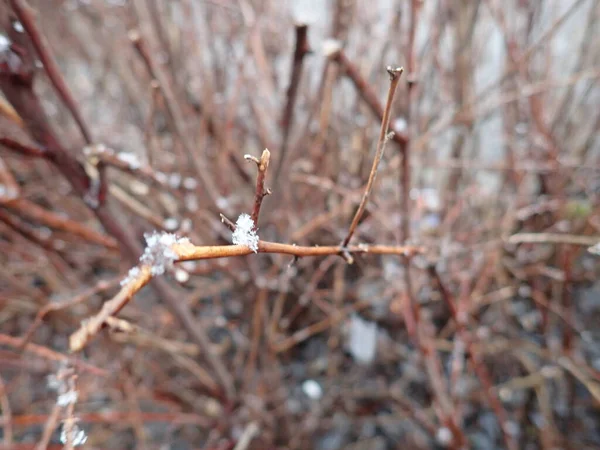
{"type": "Point", "coordinates": [262, 164]}
{"type": "Point", "coordinates": [383, 138]}
{"type": "Point", "coordinates": [26, 15]}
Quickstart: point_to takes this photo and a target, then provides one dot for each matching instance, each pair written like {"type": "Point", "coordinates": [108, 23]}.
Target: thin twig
{"type": "Point", "coordinates": [175, 114]}
{"type": "Point", "coordinates": [7, 430]}
{"type": "Point", "coordinates": [248, 434]}
{"type": "Point", "coordinates": [26, 15]}
{"type": "Point", "coordinates": [18, 147]}
{"type": "Point", "coordinates": [100, 286]}
{"type": "Point", "coordinates": [49, 427]}
{"type": "Point", "coordinates": [27, 104]}
{"type": "Point", "coordinates": [46, 353]}
{"type": "Point", "coordinates": [365, 90]}
{"type": "Point", "coordinates": [301, 49]}
{"type": "Point", "coordinates": [383, 138]}
{"type": "Point", "coordinates": [552, 238]}
{"type": "Point", "coordinates": [189, 252]}
{"type": "Point", "coordinates": [56, 221]}
{"type": "Point", "coordinates": [480, 369]}
{"type": "Point", "coordinates": [262, 165]}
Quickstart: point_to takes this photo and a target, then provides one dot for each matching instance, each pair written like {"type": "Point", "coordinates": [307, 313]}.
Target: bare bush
{"type": "Point", "coordinates": [336, 255]}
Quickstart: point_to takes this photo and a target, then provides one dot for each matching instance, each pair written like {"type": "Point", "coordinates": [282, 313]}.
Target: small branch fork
{"type": "Point", "coordinates": [186, 251]}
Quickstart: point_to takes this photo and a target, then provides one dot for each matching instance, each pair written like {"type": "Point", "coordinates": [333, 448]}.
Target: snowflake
{"type": "Point", "coordinates": [159, 254]}
{"type": "Point", "coordinates": [78, 436]}
{"type": "Point", "coordinates": [245, 233]}
{"type": "Point", "coordinates": [67, 398]}
{"type": "Point", "coordinates": [133, 273]}
{"type": "Point", "coordinates": [130, 159]}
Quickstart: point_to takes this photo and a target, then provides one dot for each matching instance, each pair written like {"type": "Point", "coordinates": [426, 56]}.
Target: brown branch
{"type": "Point", "coordinates": [91, 326]}
{"type": "Point", "coordinates": [366, 92]}
{"type": "Point", "coordinates": [262, 164]}
{"type": "Point", "coordinates": [6, 415]}
{"type": "Point", "coordinates": [8, 111]}
{"type": "Point", "coordinates": [26, 15]}
{"type": "Point", "coordinates": [186, 251]}
{"type": "Point", "coordinates": [300, 50]}
{"type": "Point", "coordinates": [23, 149]}
{"type": "Point", "coordinates": [175, 114]}
{"type": "Point", "coordinates": [383, 138]}
{"type": "Point", "coordinates": [552, 238]}
{"type": "Point", "coordinates": [481, 370]}
{"type": "Point", "coordinates": [50, 307]}
{"type": "Point", "coordinates": [10, 188]}
{"type": "Point", "coordinates": [46, 353]}
{"type": "Point", "coordinates": [191, 252]}
{"type": "Point", "coordinates": [27, 104]}
{"type": "Point", "coordinates": [53, 220]}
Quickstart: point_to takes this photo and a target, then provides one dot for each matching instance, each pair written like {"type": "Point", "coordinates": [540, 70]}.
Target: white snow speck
{"type": "Point", "coordinates": [130, 159]}
{"type": "Point", "coordinates": [171, 224]}
{"type": "Point", "coordinates": [67, 398]}
{"type": "Point", "coordinates": [182, 276]}
{"type": "Point", "coordinates": [175, 180]}
{"type": "Point", "coordinates": [191, 202]}
{"type": "Point", "coordinates": [158, 254]}
{"type": "Point", "coordinates": [443, 436]}
{"type": "Point", "coordinates": [400, 125]}
{"type": "Point", "coordinates": [133, 273]}
{"type": "Point", "coordinates": [245, 233]}
{"type": "Point", "coordinates": [222, 203]}
{"type": "Point", "coordinates": [362, 340]}
{"type": "Point", "coordinates": [161, 177]}
{"type": "Point", "coordinates": [190, 183]}
{"type": "Point", "coordinates": [78, 436]}
{"type": "Point", "coordinates": [4, 43]}
{"type": "Point", "coordinates": [312, 389]}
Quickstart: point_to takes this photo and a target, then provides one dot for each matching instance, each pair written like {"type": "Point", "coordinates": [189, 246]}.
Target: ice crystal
{"type": "Point", "coordinates": [67, 398]}
{"type": "Point", "coordinates": [133, 273]}
{"type": "Point", "coordinates": [245, 233]}
{"type": "Point", "coordinates": [159, 254]}
{"type": "Point", "coordinates": [78, 436]}
{"type": "Point", "coordinates": [130, 159]}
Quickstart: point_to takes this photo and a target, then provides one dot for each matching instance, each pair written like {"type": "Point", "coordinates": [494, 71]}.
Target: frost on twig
{"type": "Point", "coordinates": [75, 435]}
{"type": "Point", "coordinates": [133, 273]}
{"type": "Point", "coordinates": [131, 159]}
{"type": "Point", "coordinates": [245, 233]}
{"type": "Point", "coordinates": [63, 382]}
{"type": "Point", "coordinates": [159, 254]}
